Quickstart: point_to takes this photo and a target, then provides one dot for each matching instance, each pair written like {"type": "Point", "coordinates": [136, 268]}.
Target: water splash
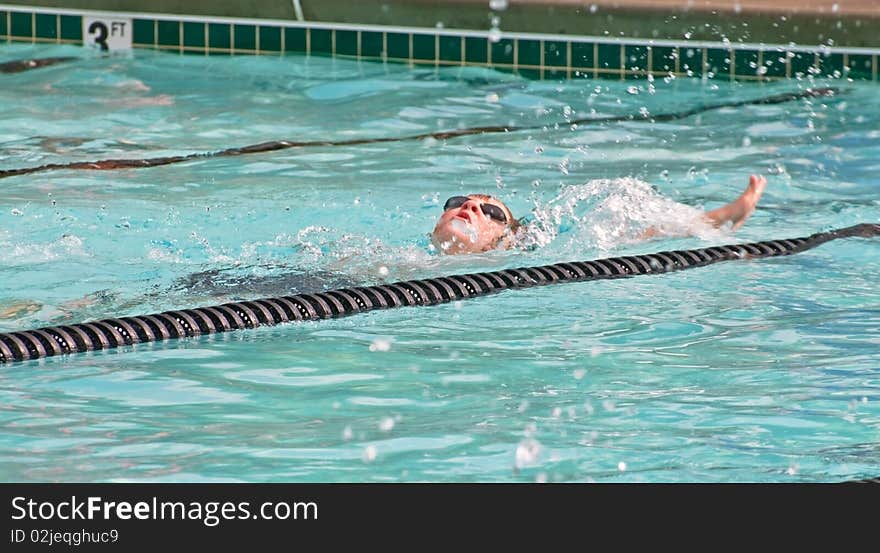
{"type": "Point", "coordinates": [328, 249]}
{"type": "Point", "coordinates": [527, 454]}
{"type": "Point", "coordinates": [17, 252]}
{"type": "Point", "coordinates": [608, 213]}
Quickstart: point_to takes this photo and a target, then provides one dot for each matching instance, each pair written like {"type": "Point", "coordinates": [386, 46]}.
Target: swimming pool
{"type": "Point", "coordinates": [761, 371]}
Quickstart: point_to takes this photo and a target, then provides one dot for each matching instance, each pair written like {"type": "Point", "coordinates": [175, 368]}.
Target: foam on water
{"type": "Point", "coordinates": [609, 213]}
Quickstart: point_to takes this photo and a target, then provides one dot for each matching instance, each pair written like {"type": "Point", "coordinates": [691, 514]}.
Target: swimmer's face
{"type": "Point", "coordinates": [471, 224]}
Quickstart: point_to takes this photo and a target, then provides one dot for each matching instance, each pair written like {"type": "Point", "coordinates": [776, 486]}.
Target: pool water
{"type": "Point", "coordinates": [752, 371]}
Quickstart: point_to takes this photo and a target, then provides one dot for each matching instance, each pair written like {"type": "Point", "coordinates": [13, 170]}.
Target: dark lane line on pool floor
{"type": "Point", "coordinates": [18, 66]}
{"type": "Point", "coordinates": [275, 145]}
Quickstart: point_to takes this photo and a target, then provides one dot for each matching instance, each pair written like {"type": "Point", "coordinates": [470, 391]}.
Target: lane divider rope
{"type": "Point", "coordinates": [184, 323]}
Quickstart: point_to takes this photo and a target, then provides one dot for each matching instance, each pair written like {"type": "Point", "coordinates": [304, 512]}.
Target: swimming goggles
{"type": "Point", "coordinates": [491, 211]}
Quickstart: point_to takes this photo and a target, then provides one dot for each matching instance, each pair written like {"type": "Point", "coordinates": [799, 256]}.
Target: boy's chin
{"type": "Point", "coordinates": [462, 231]}
{"type": "Point", "coordinates": [454, 243]}
{"type": "Point", "coordinates": [458, 236]}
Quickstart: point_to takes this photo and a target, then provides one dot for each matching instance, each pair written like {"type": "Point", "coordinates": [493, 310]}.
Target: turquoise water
{"type": "Point", "coordinates": [753, 371]}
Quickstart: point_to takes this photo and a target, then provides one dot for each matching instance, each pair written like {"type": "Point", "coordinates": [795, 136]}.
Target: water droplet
{"type": "Point", "coordinates": [632, 90]}
{"type": "Point", "coordinates": [492, 97]}
{"type": "Point", "coordinates": [527, 453]}
{"type": "Point", "coordinates": [539, 149]}
{"type": "Point", "coordinates": [621, 466]}
{"type": "Point", "coordinates": [380, 344]}
{"type": "Point", "coordinates": [746, 142]}
{"type": "Point", "coordinates": [835, 8]}
{"type": "Point", "coordinates": [579, 373]}
{"type": "Point", "coordinates": [16, 211]}
{"type": "Point", "coordinates": [498, 5]}
{"type": "Point", "coordinates": [347, 433]}
{"type": "Point", "coordinates": [776, 169]}
{"type": "Point", "coordinates": [563, 166]}
{"type": "Point", "coordinates": [593, 8]}
{"type": "Point", "coordinates": [386, 424]}
{"type": "Point", "coordinates": [369, 454]}
{"type": "Point", "coordinates": [688, 35]}
{"type": "Point", "coordinates": [494, 34]}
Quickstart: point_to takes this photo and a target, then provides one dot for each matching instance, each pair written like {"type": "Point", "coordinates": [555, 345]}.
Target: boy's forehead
{"type": "Point", "coordinates": [486, 198]}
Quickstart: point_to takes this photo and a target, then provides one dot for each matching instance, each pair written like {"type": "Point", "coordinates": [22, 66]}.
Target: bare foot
{"type": "Point", "coordinates": [742, 208]}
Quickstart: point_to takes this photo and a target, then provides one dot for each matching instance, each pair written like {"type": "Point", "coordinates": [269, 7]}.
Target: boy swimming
{"type": "Point", "coordinates": [478, 222]}
{"type": "Point", "coordinates": [469, 224]}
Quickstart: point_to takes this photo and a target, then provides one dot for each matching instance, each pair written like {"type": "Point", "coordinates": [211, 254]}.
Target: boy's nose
{"type": "Point", "coordinates": [471, 205]}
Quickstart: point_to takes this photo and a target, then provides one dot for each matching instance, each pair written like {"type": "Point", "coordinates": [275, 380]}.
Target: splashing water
{"type": "Point", "coordinates": [367, 259]}
{"type": "Point", "coordinates": [608, 213]}
{"type": "Point", "coordinates": [16, 252]}
{"type": "Point", "coordinates": [461, 226]}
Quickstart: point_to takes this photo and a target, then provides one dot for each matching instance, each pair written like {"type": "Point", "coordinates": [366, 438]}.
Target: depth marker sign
{"type": "Point", "coordinates": [107, 33]}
